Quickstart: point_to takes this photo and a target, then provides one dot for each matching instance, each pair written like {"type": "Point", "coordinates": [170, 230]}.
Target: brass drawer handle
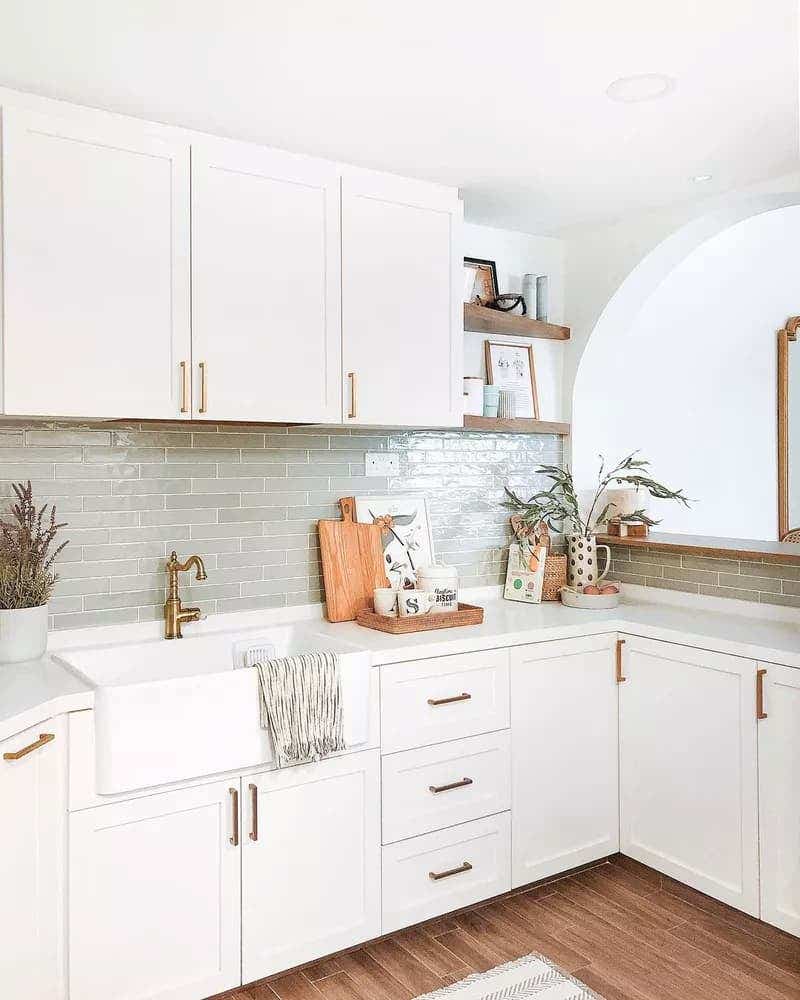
{"type": "Point", "coordinates": [621, 678]}
{"type": "Point", "coordinates": [43, 739]}
{"type": "Point", "coordinates": [760, 713]}
{"type": "Point", "coordinates": [448, 788]}
{"type": "Point", "coordinates": [449, 701]}
{"type": "Point", "coordinates": [253, 811]}
{"type": "Point", "coordinates": [435, 876]}
{"type": "Point", "coordinates": [234, 839]}
{"type": "Point", "coordinates": [184, 387]}
{"type": "Point", "coordinates": [203, 387]}
{"type": "Point", "coordinates": [353, 395]}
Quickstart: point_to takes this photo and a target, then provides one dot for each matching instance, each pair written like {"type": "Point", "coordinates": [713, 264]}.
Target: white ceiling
{"type": "Point", "coordinates": [504, 98]}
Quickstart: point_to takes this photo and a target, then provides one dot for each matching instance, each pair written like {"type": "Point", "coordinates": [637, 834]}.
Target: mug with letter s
{"type": "Point", "coordinates": [413, 602]}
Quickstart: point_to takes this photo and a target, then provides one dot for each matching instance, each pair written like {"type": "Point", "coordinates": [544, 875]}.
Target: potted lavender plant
{"type": "Point", "coordinates": [27, 577]}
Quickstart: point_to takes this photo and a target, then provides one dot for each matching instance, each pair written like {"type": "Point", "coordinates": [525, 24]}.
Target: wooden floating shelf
{"type": "Point", "coordinates": [709, 545]}
{"type": "Point", "coordinates": [516, 425]}
{"type": "Point", "coordinates": [483, 320]}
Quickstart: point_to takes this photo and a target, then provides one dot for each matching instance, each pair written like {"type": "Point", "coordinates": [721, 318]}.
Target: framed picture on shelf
{"type": "Point", "coordinates": [480, 280]}
{"type": "Point", "coordinates": [405, 534]}
{"type": "Point", "coordinates": [510, 366]}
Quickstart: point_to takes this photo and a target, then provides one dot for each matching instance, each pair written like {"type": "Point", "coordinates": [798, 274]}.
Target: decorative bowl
{"type": "Point", "coordinates": [590, 602]}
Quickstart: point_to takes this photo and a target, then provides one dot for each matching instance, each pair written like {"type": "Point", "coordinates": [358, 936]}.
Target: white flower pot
{"type": "Point", "coordinates": [23, 634]}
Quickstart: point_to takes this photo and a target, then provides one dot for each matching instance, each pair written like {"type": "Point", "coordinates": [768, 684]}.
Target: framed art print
{"type": "Point", "coordinates": [405, 534]}
{"type": "Point", "coordinates": [510, 366]}
{"type": "Point", "coordinates": [480, 280]}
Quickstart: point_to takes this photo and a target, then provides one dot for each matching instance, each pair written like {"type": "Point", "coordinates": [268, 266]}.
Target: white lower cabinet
{"type": "Point", "coordinates": [779, 798]}
{"type": "Point", "coordinates": [446, 870]}
{"type": "Point", "coordinates": [154, 896]}
{"type": "Point", "coordinates": [565, 800]}
{"type": "Point", "coordinates": [32, 834]}
{"type": "Point", "coordinates": [689, 773]}
{"type": "Point", "coordinates": [310, 862]}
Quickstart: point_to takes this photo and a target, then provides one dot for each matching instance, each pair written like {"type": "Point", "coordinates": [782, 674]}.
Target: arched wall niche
{"type": "Point", "coordinates": [682, 365]}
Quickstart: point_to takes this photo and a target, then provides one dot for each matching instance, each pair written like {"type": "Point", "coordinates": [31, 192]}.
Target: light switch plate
{"type": "Point", "coordinates": [381, 463]}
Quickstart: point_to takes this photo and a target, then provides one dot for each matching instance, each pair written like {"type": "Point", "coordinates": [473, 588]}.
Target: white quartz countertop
{"type": "Point", "coordinates": [32, 692]}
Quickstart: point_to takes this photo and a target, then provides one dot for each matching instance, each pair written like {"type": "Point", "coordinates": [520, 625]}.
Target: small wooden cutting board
{"type": "Point", "coordinates": [352, 563]}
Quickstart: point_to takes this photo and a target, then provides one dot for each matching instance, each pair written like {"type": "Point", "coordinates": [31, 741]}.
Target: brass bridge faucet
{"type": "Point", "coordinates": [174, 614]}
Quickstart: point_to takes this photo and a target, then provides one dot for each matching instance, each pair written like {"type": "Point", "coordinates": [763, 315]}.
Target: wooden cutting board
{"type": "Point", "coordinates": [352, 563]}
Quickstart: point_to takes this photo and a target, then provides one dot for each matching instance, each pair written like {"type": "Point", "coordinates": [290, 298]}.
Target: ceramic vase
{"type": "Point", "coordinates": [582, 567]}
{"type": "Point", "coordinates": [23, 634]}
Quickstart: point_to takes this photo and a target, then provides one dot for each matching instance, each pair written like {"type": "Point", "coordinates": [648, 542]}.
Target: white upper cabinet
{"type": "Point", "coordinates": [688, 767]}
{"type": "Point", "coordinates": [33, 778]}
{"type": "Point", "coordinates": [96, 266]}
{"type": "Point", "coordinates": [401, 302]}
{"type": "Point", "coordinates": [565, 800]}
{"type": "Point", "coordinates": [155, 273]}
{"type": "Point", "coordinates": [266, 285]}
{"type": "Point", "coordinates": [779, 799]}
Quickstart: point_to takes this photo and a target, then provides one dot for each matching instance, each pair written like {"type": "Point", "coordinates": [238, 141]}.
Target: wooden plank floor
{"type": "Point", "coordinates": [623, 929]}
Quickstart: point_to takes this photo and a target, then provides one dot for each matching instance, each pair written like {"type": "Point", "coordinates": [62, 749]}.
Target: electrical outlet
{"type": "Point", "coordinates": [381, 463]}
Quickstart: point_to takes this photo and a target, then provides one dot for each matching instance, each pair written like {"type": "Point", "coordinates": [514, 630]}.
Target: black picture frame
{"type": "Point", "coordinates": [479, 262]}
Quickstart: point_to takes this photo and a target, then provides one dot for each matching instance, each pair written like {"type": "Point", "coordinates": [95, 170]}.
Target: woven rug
{"type": "Point", "coordinates": [531, 976]}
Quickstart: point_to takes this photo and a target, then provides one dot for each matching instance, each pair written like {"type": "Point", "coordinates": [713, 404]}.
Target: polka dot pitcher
{"type": "Point", "coordinates": [582, 561]}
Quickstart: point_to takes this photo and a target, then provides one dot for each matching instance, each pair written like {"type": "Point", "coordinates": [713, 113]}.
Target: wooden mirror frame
{"type": "Point", "coordinates": [786, 336]}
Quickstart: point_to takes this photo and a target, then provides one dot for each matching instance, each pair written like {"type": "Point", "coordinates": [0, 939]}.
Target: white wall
{"type": "Point", "coordinates": [692, 379]}
{"type": "Point", "coordinates": [516, 254]}
{"type": "Point", "coordinates": [602, 259]}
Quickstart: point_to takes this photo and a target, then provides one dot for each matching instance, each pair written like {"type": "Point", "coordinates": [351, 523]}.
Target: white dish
{"type": "Point", "coordinates": [590, 602]}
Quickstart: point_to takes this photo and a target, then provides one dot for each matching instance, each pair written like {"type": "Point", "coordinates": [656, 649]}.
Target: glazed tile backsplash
{"type": "Point", "coordinates": [246, 499]}
{"type": "Point", "coordinates": [740, 579]}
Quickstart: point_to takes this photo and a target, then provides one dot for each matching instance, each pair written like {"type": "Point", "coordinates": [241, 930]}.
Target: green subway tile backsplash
{"type": "Point", "coordinates": [247, 499]}
{"type": "Point", "coordinates": [739, 579]}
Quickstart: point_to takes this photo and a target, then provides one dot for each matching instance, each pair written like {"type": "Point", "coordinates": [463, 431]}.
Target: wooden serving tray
{"type": "Point", "coordinates": [467, 614]}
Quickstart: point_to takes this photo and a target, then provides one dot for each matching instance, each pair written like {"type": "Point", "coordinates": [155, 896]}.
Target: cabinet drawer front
{"type": "Point", "coordinates": [436, 787]}
{"type": "Point", "coordinates": [444, 871]}
{"type": "Point", "coordinates": [446, 698]}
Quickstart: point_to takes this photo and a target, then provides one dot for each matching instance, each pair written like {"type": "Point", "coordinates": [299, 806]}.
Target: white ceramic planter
{"type": "Point", "coordinates": [23, 634]}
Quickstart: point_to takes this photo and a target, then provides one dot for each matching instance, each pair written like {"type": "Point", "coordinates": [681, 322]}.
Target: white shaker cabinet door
{"type": "Point", "coordinates": [779, 778]}
{"type": "Point", "coordinates": [32, 836]}
{"type": "Point", "coordinates": [688, 767]}
{"type": "Point", "coordinates": [154, 896]}
{"type": "Point", "coordinates": [402, 316]}
{"type": "Point", "coordinates": [565, 800]}
{"type": "Point", "coordinates": [310, 862]}
{"type": "Point", "coordinates": [266, 331]}
{"type": "Point", "coordinates": [96, 267]}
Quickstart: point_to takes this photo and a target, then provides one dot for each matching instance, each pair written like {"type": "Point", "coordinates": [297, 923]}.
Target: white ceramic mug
{"type": "Point", "coordinates": [413, 602]}
{"type": "Point", "coordinates": [384, 600]}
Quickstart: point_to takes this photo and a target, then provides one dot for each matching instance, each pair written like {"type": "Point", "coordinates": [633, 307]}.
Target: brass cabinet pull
{"type": "Point", "coordinates": [760, 675]}
{"type": "Point", "coordinates": [465, 867]}
{"type": "Point", "coordinates": [184, 387]}
{"type": "Point", "coordinates": [448, 788]}
{"type": "Point", "coordinates": [203, 386]}
{"type": "Point", "coordinates": [353, 395]}
{"type": "Point", "coordinates": [43, 739]}
{"type": "Point", "coordinates": [234, 839]}
{"type": "Point", "coordinates": [621, 678]}
{"type": "Point", "coordinates": [449, 701]}
{"type": "Point", "coordinates": [253, 811]}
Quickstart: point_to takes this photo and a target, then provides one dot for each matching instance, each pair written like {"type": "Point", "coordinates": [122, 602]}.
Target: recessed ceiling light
{"type": "Point", "coordinates": [701, 178]}
{"type": "Point", "coordinates": [643, 87]}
